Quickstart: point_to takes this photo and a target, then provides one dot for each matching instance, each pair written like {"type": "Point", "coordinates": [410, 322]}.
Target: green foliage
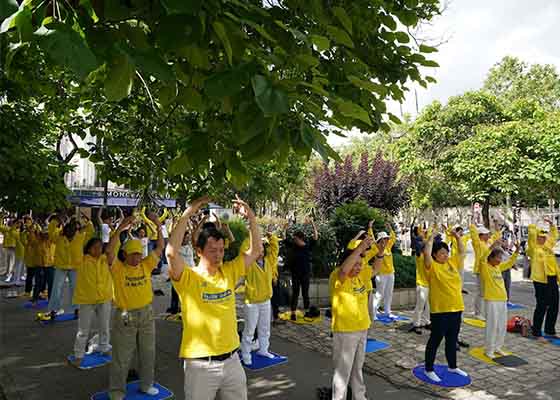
{"type": "Point", "coordinates": [240, 232]}
{"type": "Point", "coordinates": [349, 219]}
{"type": "Point", "coordinates": [405, 271]}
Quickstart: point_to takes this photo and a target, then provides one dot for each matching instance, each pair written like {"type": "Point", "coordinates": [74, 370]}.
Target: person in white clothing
{"type": "Point", "coordinates": [385, 280]}
{"type": "Point", "coordinates": [422, 309]}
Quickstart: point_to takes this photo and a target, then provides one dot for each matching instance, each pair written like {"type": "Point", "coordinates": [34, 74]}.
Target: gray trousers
{"type": "Point", "coordinates": [349, 354]}
{"type": "Point", "coordinates": [87, 312]}
{"type": "Point", "coordinates": [130, 331]}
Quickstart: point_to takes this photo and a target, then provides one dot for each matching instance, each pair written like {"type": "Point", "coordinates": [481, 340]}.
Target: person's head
{"type": "Point", "coordinates": [209, 225]}
{"type": "Point", "coordinates": [69, 230]}
{"type": "Point", "coordinates": [141, 232]}
{"type": "Point", "coordinates": [495, 256]}
{"type": "Point", "coordinates": [484, 234]}
{"type": "Point", "coordinates": [94, 247]}
{"type": "Point", "coordinates": [27, 221]}
{"type": "Point", "coordinates": [415, 231]}
{"type": "Point", "coordinates": [299, 238]}
{"type": "Point", "coordinates": [133, 251]}
{"type": "Point", "coordinates": [440, 252]}
{"type": "Point", "coordinates": [459, 230]}
{"type": "Point", "coordinates": [382, 239]}
{"type": "Point", "coordinates": [210, 246]}
{"type": "Point", "coordinates": [542, 234]}
{"type": "Point", "coordinates": [357, 267]}
{"type": "Point", "coordinates": [106, 218]}
{"type": "Point", "coordinates": [18, 224]}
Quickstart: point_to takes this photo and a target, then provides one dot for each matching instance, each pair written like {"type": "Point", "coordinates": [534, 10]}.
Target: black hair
{"type": "Point", "coordinates": [69, 230]}
{"type": "Point", "coordinates": [207, 233]}
{"type": "Point", "coordinates": [438, 246]}
{"type": "Point", "coordinates": [415, 231]}
{"type": "Point", "coordinates": [300, 235]}
{"type": "Point", "coordinates": [90, 243]}
{"type": "Point", "coordinates": [209, 225]}
{"type": "Point", "coordinates": [347, 253]}
{"type": "Point", "coordinates": [459, 228]}
{"type": "Point", "coordinates": [496, 252]}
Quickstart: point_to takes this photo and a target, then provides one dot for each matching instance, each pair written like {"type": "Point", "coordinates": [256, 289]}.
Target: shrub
{"type": "Point", "coordinates": [348, 219]}
{"type": "Point", "coordinates": [239, 229]}
{"type": "Point", "coordinates": [405, 271]}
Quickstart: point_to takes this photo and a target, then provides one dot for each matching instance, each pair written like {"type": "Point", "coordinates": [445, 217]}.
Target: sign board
{"type": "Point", "coordinates": [115, 198]}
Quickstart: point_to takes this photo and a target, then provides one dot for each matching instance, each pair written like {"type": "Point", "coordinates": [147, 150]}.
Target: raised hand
{"type": "Point", "coordinates": [126, 223]}
{"type": "Point", "coordinates": [242, 208]}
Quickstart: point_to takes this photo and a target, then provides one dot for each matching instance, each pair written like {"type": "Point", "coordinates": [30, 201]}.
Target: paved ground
{"type": "Point", "coordinates": [32, 360]}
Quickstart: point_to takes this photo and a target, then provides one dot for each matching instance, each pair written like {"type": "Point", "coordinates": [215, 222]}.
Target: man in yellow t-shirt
{"type": "Point", "coordinates": [495, 296]}
{"type": "Point", "coordinates": [133, 324]}
{"type": "Point", "coordinates": [350, 319]}
{"type": "Point", "coordinates": [210, 340]}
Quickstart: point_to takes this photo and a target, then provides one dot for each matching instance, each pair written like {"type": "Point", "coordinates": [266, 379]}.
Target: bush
{"type": "Point", "coordinates": [405, 271]}
{"type": "Point", "coordinates": [239, 229]}
{"type": "Point", "coordinates": [347, 220]}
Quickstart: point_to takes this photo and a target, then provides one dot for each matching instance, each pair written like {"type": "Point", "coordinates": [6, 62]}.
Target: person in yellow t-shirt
{"type": "Point", "coordinates": [11, 235]}
{"type": "Point", "coordinates": [545, 275]}
{"type": "Point", "coordinates": [207, 293]}
{"type": "Point", "coordinates": [422, 309]}
{"type": "Point", "coordinates": [45, 259]}
{"type": "Point", "coordinates": [258, 292]}
{"type": "Point", "coordinates": [350, 318]}
{"type": "Point", "coordinates": [68, 257]}
{"type": "Point", "coordinates": [495, 296]}
{"type": "Point", "coordinates": [133, 324]}
{"type": "Point", "coordinates": [446, 302]}
{"type": "Point", "coordinates": [93, 294]}
{"type": "Point", "coordinates": [28, 236]}
{"type": "Point", "coordinates": [385, 280]}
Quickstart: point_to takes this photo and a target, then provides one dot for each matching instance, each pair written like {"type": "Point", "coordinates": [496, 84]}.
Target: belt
{"type": "Point", "coordinates": [219, 357]}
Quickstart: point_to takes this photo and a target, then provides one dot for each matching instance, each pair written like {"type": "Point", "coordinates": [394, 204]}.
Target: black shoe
{"type": "Point", "coordinates": [416, 330]}
{"type": "Point", "coordinates": [293, 317]}
{"type": "Point", "coordinates": [76, 314]}
{"type": "Point", "coordinates": [465, 291]}
{"type": "Point", "coordinates": [461, 343]}
{"type": "Point", "coordinates": [132, 375]}
{"type": "Point", "coordinates": [427, 327]}
{"type": "Point", "coordinates": [156, 271]}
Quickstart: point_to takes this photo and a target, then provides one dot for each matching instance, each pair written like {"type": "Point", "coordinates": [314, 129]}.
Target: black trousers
{"type": "Point", "coordinates": [444, 325]}
{"type": "Point", "coordinates": [174, 307]}
{"type": "Point", "coordinates": [275, 300]}
{"type": "Point", "coordinates": [547, 304]}
{"type": "Point", "coordinates": [300, 282]}
{"type": "Point", "coordinates": [32, 273]}
{"type": "Point", "coordinates": [44, 277]}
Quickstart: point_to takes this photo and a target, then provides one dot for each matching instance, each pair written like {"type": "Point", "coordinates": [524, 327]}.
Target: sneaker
{"type": "Point", "coordinates": [293, 317]}
{"type": "Point", "coordinates": [465, 291]}
{"type": "Point", "coordinates": [462, 343]}
{"type": "Point", "coordinates": [152, 391]}
{"type": "Point", "coordinates": [416, 330]}
{"type": "Point", "coordinates": [247, 360]}
{"type": "Point", "coordinates": [24, 294]}
{"type": "Point", "coordinates": [265, 354]}
{"type": "Point", "coordinates": [76, 313]}
{"type": "Point", "coordinates": [489, 355]}
{"type": "Point", "coordinates": [501, 352]}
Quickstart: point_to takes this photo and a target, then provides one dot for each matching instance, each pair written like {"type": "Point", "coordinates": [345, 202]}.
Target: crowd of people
{"type": "Point", "coordinates": [109, 271]}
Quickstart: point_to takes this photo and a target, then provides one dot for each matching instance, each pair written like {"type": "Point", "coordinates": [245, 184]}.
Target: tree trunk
{"type": "Point", "coordinates": [486, 212]}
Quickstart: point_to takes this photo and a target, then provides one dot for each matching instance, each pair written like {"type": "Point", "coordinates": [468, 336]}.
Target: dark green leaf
{"type": "Point", "coordinates": [402, 37]}
{"type": "Point", "coordinates": [182, 6]}
{"type": "Point", "coordinates": [120, 75]}
{"type": "Point", "coordinates": [7, 8]}
{"type": "Point", "coordinates": [427, 49]}
{"type": "Point", "coordinates": [226, 83]}
{"type": "Point", "coordinates": [321, 42]}
{"type": "Point", "coordinates": [344, 19]}
{"type": "Point", "coordinates": [271, 100]}
{"type": "Point", "coordinates": [150, 62]}
{"type": "Point", "coordinates": [220, 31]}
{"type": "Point", "coordinates": [353, 110]}
{"type": "Point", "coordinates": [340, 36]}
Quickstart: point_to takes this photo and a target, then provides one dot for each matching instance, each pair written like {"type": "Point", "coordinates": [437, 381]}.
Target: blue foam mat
{"type": "Point", "coordinates": [385, 319]}
{"type": "Point", "coordinates": [447, 379]}
{"type": "Point", "coordinates": [40, 305]}
{"type": "Point", "coordinates": [60, 318]}
{"type": "Point", "coordinates": [513, 306]}
{"type": "Point", "coordinates": [133, 393]}
{"type": "Point", "coordinates": [92, 360]}
{"type": "Point", "coordinates": [259, 362]}
{"type": "Point", "coordinates": [373, 345]}
{"type": "Point", "coordinates": [552, 340]}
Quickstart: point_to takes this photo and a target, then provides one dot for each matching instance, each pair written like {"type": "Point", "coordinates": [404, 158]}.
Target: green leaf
{"type": "Point", "coordinates": [353, 110]}
{"type": "Point", "coordinates": [429, 63]}
{"type": "Point", "coordinates": [340, 36]}
{"type": "Point", "coordinates": [196, 56]}
{"type": "Point", "coordinates": [321, 42]}
{"type": "Point", "coordinates": [7, 8]}
{"type": "Point", "coordinates": [191, 7]}
{"type": "Point", "coordinates": [389, 22]}
{"type": "Point", "coordinates": [226, 83]}
{"type": "Point", "coordinates": [150, 62]}
{"type": "Point", "coordinates": [394, 119]}
{"type": "Point", "coordinates": [13, 48]}
{"type": "Point", "coordinates": [168, 93]}
{"type": "Point", "coordinates": [220, 31]}
{"type": "Point", "coordinates": [307, 60]}
{"type": "Point", "coordinates": [120, 75]}
{"type": "Point", "coordinates": [427, 49]}
{"type": "Point", "coordinates": [67, 48]}
{"type": "Point", "coordinates": [86, 5]}
{"type": "Point", "coordinates": [402, 37]}
{"type": "Point", "coordinates": [191, 99]}
{"type": "Point", "coordinates": [271, 100]}
{"type": "Point", "coordinates": [344, 19]}
{"type": "Point", "coordinates": [369, 86]}
{"type": "Point", "coordinates": [408, 18]}
{"type": "Point", "coordinates": [180, 165]}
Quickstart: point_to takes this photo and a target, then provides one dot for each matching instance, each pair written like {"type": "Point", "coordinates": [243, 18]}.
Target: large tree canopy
{"type": "Point", "coordinates": [219, 86]}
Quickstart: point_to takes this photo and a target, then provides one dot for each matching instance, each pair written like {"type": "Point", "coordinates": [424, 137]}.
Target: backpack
{"type": "Point", "coordinates": [520, 325]}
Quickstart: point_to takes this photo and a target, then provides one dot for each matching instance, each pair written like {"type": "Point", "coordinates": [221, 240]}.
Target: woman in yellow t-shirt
{"type": "Point", "coordinates": [93, 294]}
{"type": "Point", "coordinates": [385, 280]}
{"type": "Point", "coordinates": [45, 257]}
{"type": "Point", "coordinates": [446, 302]}
{"type": "Point", "coordinates": [350, 318]}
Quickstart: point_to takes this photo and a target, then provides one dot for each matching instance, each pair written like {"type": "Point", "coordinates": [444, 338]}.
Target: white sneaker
{"type": "Point", "coordinates": [480, 317]}
{"type": "Point", "coordinates": [392, 316]}
{"type": "Point", "coordinates": [152, 391]}
{"type": "Point", "coordinates": [458, 372]}
{"type": "Point", "coordinates": [489, 355]}
{"type": "Point", "coordinates": [255, 345]}
{"type": "Point", "coordinates": [265, 354]}
{"type": "Point", "coordinates": [433, 376]}
{"type": "Point", "coordinates": [60, 312]}
{"type": "Point", "coordinates": [247, 360]}
{"type": "Point", "coordinates": [501, 352]}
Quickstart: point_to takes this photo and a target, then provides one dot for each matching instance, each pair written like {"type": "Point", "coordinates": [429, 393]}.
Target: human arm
{"type": "Point", "coordinates": [392, 236]}
{"type": "Point", "coordinates": [379, 252]}
{"type": "Point", "coordinates": [164, 216]}
{"type": "Point", "coordinates": [115, 239]}
{"type": "Point", "coordinates": [99, 214]}
{"type": "Point", "coordinates": [172, 251]}
{"type": "Point", "coordinates": [511, 260]}
{"type": "Point", "coordinates": [428, 250]}
{"type": "Point", "coordinates": [228, 233]}
{"type": "Point", "coordinates": [475, 239]}
{"type": "Point", "coordinates": [552, 236]}
{"type": "Point", "coordinates": [256, 243]}
{"type": "Point", "coordinates": [197, 230]}
{"type": "Point", "coordinates": [353, 258]}
{"type": "Point", "coordinates": [272, 254]}
{"type": "Point", "coordinates": [160, 243]}
{"type": "Point", "coordinates": [315, 231]}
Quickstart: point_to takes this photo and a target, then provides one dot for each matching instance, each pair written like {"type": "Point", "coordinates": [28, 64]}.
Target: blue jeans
{"type": "Point", "coordinates": [56, 300]}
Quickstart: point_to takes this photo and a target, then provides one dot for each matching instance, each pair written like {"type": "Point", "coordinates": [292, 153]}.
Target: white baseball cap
{"type": "Point", "coordinates": [482, 230]}
{"type": "Point", "coordinates": [381, 236]}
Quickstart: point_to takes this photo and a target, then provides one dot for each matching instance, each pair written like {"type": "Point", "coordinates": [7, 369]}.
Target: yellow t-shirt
{"type": "Point", "coordinates": [543, 260]}
{"type": "Point", "coordinates": [94, 284]}
{"type": "Point", "coordinates": [132, 286]}
{"type": "Point", "coordinates": [421, 273]}
{"type": "Point", "coordinates": [258, 282]}
{"type": "Point", "coordinates": [387, 266]}
{"type": "Point", "coordinates": [349, 301]}
{"type": "Point", "coordinates": [20, 248]}
{"type": "Point", "coordinates": [30, 257]}
{"type": "Point", "coordinates": [62, 253]}
{"type": "Point", "coordinates": [445, 286]}
{"type": "Point", "coordinates": [45, 253]}
{"type": "Point", "coordinates": [208, 309]}
{"type": "Point", "coordinates": [11, 235]}
{"type": "Point", "coordinates": [481, 249]}
{"type": "Point", "coordinates": [492, 281]}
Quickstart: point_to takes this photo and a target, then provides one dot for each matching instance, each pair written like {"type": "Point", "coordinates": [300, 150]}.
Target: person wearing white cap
{"type": "Point", "coordinates": [545, 275]}
{"type": "Point", "coordinates": [385, 279]}
{"type": "Point", "coordinates": [133, 324]}
{"type": "Point", "coordinates": [481, 242]}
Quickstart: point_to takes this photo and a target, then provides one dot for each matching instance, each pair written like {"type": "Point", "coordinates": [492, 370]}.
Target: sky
{"type": "Point", "coordinates": [478, 34]}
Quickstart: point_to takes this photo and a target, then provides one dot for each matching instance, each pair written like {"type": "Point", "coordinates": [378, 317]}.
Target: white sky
{"type": "Point", "coordinates": [480, 33]}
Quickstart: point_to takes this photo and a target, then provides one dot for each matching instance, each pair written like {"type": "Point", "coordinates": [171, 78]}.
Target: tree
{"type": "Point", "coordinates": [512, 79]}
{"type": "Point", "coordinates": [246, 78]}
{"type": "Point", "coordinates": [376, 182]}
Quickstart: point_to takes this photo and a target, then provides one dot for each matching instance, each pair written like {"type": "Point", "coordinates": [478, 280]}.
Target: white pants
{"type": "Point", "coordinates": [479, 303]}
{"type": "Point", "coordinates": [422, 310]}
{"type": "Point", "coordinates": [496, 324]}
{"type": "Point", "coordinates": [349, 354]}
{"type": "Point", "coordinates": [384, 292]}
{"type": "Point", "coordinates": [210, 380]}
{"type": "Point", "coordinates": [87, 312]}
{"type": "Point", "coordinates": [10, 260]}
{"type": "Point", "coordinates": [19, 270]}
{"type": "Point", "coordinates": [372, 310]}
{"type": "Point", "coordinates": [257, 316]}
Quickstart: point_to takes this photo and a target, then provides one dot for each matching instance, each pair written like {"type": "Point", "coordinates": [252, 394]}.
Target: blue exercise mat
{"type": "Point", "coordinates": [92, 360]}
{"type": "Point", "coordinates": [513, 306]}
{"type": "Point", "coordinates": [133, 393]}
{"type": "Point", "coordinates": [260, 362]}
{"type": "Point", "coordinates": [552, 340]}
{"type": "Point", "coordinates": [447, 379]}
{"type": "Point", "coordinates": [373, 345]}
{"type": "Point", "coordinates": [385, 319]}
{"type": "Point", "coordinates": [40, 305]}
{"type": "Point", "coordinates": [60, 318]}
